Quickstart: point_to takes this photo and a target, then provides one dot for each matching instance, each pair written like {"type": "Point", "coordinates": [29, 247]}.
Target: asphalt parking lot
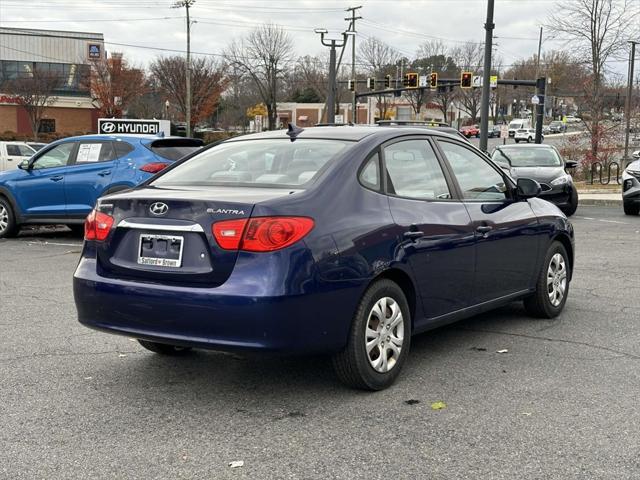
{"type": "Point", "coordinates": [561, 402]}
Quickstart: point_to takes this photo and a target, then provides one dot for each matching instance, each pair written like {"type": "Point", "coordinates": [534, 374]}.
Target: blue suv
{"type": "Point", "coordinates": [61, 182]}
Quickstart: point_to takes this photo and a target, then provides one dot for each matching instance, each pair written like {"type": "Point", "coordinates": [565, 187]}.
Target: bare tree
{"type": "Point", "coordinates": [34, 92]}
{"type": "Point", "coordinates": [469, 58]}
{"type": "Point", "coordinates": [379, 60]}
{"type": "Point", "coordinates": [207, 83]}
{"type": "Point", "coordinates": [263, 55]}
{"type": "Point", "coordinates": [431, 48]}
{"type": "Point", "coordinates": [115, 85]}
{"type": "Point", "coordinates": [597, 31]}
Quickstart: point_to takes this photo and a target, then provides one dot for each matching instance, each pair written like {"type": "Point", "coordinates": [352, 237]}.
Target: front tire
{"type": "Point", "coordinates": [379, 340]}
{"type": "Point", "coordinates": [163, 348]}
{"type": "Point", "coordinates": [8, 226]}
{"type": "Point", "coordinates": [552, 286]}
{"type": "Point", "coordinates": [517, 141]}
{"type": "Point", "coordinates": [529, 139]}
{"type": "Point", "coordinates": [573, 204]}
{"type": "Point", "coordinates": [631, 209]}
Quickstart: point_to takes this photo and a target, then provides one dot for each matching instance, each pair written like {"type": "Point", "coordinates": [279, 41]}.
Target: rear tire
{"type": "Point", "coordinates": [631, 209]}
{"type": "Point", "coordinates": [529, 140]}
{"type": "Point", "coordinates": [379, 340]}
{"type": "Point", "coordinates": [163, 348]}
{"type": "Point", "coordinates": [552, 286]}
{"type": "Point", "coordinates": [8, 226]}
{"type": "Point", "coordinates": [517, 141]}
{"type": "Point", "coordinates": [573, 204]}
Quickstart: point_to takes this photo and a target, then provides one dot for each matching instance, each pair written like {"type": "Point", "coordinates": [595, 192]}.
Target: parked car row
{"type": "Point", "coordinates": [631, 186]}
{"type": "Point", "coordinates": [61, 182]}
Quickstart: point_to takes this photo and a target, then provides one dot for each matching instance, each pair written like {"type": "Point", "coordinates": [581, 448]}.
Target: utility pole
{"type": "Point", "coordinates": [628, 103]}
{"type": "Point", "coordinates": [331, 93]}
{"type": "Point", "coordinates": [486, 77]}
{"type": "Point", "coordinates": [187, 4]}
{"type": "Point", "coordinates": [352, 28]}
{"type": "Point", "coordinates": [533, 114]}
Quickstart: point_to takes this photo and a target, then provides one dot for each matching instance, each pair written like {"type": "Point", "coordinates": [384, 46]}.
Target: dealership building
{"type": "Point", "coordinates": [67, 55]}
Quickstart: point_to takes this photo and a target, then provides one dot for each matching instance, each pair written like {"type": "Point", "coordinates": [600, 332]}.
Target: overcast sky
{"type": "Point", "coordinates": [128, 25]}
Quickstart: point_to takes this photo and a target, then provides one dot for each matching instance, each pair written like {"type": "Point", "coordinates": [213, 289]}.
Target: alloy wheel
{"type": "Point", "coordinates": [384, 334]}
{"type": "Point", "coordinates": [556, 279]}
{"type": "Point", "coordinates": [4, 218]}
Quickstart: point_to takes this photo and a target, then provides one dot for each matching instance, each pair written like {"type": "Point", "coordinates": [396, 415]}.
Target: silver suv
{"type": "Point", "coordinates": [631, 186]}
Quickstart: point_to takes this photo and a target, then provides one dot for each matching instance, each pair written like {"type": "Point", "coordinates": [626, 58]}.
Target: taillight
{"type": "Point", "coordinates": [97, 226]}
{"type": "Point", "coordinates": [261, 234]}
{"type": "Point", "coordinates": [154, 167]}
{"type": "Point", "coordinates": [228, 233]}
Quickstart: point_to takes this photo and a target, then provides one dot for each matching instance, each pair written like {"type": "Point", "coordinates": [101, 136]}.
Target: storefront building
{"type": "Point", "coordinates": [65, 56]}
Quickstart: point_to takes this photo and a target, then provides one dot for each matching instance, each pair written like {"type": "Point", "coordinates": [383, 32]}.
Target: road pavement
{"type": "Point", "coordinates": [560, 403]}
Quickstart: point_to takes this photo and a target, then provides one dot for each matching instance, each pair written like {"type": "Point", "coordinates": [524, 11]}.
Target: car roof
{"type": "Point", "coordinates": [352, 133]}
{"type": "Point", "coordinates": [526, 145]}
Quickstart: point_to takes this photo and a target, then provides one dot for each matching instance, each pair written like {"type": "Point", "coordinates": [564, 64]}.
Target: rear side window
{"type": "Point", "coordinates": [174, 149]}
{"type": "Point", "coordinates": [370, 174]}
{"type": "Point", "coordinates": [92, 152]}
{"type": "Point", "coordinates": [269, 162]}
{"type": "Point", "coordinates": [414, 171]}
{"type": "Point", "coordinates": [122, 148]}
{"type": "Point", "coordinates": [19, 151]}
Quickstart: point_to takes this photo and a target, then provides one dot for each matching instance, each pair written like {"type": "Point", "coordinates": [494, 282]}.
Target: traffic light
{"type": "Point", "coordinates": [433, 84]}
{"type": "Point", "coordinates": [410, 80]}
{"type": "Point", "coordinates": [465, 80]}
{"type": "Point", "coordinates": [387, 81]}
{"type": "Point", "coordinates": [352, 85]}
{"type": "Point", "coordinates": [371, 83]}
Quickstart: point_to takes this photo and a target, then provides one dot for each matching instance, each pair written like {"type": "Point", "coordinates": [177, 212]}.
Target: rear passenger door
{"type": "Point", "coordinates": [507, 231]}
{"type": "Point", "coordinates": [436, 235]}
{"type": "Point", "coordinates": [89, 176]}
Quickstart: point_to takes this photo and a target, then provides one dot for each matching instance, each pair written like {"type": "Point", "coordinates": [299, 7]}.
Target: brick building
{"type": "Point", "coordinates": [64, 54]}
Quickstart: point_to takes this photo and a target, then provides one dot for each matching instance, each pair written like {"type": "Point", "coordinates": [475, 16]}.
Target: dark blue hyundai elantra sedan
{"type": "Point", "coordinates": [338, 240]}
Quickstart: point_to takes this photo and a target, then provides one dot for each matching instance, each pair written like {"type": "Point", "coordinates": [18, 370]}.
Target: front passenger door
{"type": "Point", "coordinates": [507, 231]}
{"type": "Point", "coordinates": [40, 191]}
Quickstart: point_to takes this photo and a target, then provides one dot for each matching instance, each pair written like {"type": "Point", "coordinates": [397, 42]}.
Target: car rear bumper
{"type": "Point", "coordinates": [215, 318]}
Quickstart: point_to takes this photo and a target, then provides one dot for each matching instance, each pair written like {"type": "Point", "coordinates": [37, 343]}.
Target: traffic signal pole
{"type": "Point", "coordinates": [486, 77]}
{"type": "Point", "coordinates": [540, 89]}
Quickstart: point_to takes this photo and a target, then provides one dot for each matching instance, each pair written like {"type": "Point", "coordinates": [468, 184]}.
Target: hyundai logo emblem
{"type": "Point", "coordinates": [108, 127]}
{"type": "Point", "coordinates": [158, 208]}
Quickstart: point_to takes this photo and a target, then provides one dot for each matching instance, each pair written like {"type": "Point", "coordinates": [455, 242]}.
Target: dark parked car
{"type": "Point", "coordinates": [494, 132]}
{"type": "Point", "coordinates": [557, 127]}
{"type": "Point", "coordinates": [62, 181]}
{"type": "Point", "coordinates": [337, 240]}
{"type": "Point", "coordinates": [544, 164]}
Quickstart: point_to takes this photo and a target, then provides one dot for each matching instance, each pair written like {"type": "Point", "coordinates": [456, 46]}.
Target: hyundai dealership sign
{"type": "Point", "coordinates": [124, 125]}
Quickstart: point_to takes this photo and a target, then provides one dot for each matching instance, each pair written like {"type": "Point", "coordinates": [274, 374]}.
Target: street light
{"type": "Point", "coordinates": [166, 109]}
{"type": "Point", "coordinates": [332, 44]}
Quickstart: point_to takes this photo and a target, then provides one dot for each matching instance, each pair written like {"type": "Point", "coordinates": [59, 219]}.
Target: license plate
{"type": "Point", "coordinates": [160, 250]}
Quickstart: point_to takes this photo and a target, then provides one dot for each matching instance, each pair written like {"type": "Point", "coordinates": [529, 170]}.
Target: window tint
{"type": "Point", "coordinates": [413, 171]}
{"type": "Point", "coordinates": [94, 152]}
{"type": "Point", "coordinates": [370, 174]}
{"type": "Point", "coordinates": [122, 148]}
{"type": "Point", "coordinates": [58, 156]}
{"type": "Point", "coordinates": [477, 179]}
{"type": "Point", "coordinates": [255, 163]}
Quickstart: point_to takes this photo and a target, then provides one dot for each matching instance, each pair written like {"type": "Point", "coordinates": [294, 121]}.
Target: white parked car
{"type": "Point", "coordinates": [631, 186]}
{"type": "Point", "coordinates": [525, 135]}
{"type": "Point", "coordinates": [572, 119]}
{"type": "Point", "coordinates": [12, 153]}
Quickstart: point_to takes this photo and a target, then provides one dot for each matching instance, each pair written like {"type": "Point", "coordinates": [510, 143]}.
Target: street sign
{"type": "Point", "coordinates": [535, 100]}
{"type": "Point", "coordinates": [125, 125]}
{"type": "Point", "coordinates": [477, 81]}
{"type": "Point", "coordinates": [339, 119]}
{"type": "Point", "coordinates": [423, 80]}
{"type": "Point", "coordinates": [494, 81]}
{"type": "Point", "coordinates": [504, 131]}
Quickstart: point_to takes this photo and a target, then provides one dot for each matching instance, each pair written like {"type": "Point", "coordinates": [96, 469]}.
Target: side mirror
{"type": "Point", "coordinates": [570, 164]}
{"type": "Point", "coordinates": [528, 188]}
{"type": "Point", "coordinates": [24, 165]}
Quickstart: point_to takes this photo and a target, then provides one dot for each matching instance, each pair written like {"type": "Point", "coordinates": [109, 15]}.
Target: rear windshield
{"type": "Point", "coordinates": [270, 162]}
{"type": "Point", "coordinates": [529, 157]}
{"type": "Point", "coordinates": [174, 148]}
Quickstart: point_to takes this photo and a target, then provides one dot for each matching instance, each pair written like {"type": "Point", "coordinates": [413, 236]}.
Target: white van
{"type": "Point", "coordinates": [12, 153]}
{"type": "Point", "coordinates": [518, 124]}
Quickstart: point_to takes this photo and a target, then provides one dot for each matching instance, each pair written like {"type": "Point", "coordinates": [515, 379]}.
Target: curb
{"type": "Point", "coordinates": [599, 202]}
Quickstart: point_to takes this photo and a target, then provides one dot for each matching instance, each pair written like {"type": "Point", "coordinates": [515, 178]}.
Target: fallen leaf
{"type": "Point", "coordinates": [528, 414]}
{"type": "Point", "coordinates": [122, 355]}
{"type": "Point", "coordinates": [503, 351]}
{"type": "Point", "coordinates": [479, 349]}
{"type": "Point", "coordinates": [411, 401]}
{"type": "Point", "coordinates": [438, 405]}
{"type": "Point", "coordinates": [88, 378]}
{"type": "Point", "coordinates": [236, 464]}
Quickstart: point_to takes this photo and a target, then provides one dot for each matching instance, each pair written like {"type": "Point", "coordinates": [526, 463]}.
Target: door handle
{"type": "Point", "coordinates": [484, 230]}
{"type": "Point", "coordinates": [104, 173]}
{"type": "Point", "coordinates": [413, 234]}
{"type": "Point", "coordinates": [57, 178]}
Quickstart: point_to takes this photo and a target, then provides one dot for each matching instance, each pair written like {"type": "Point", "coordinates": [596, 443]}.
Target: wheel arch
{"type": "Point", "coordinates": [6, 194]}
{"type": "Point", "coordinates": [568, 246]}
{"type": "Point", "coordinates": [404, 281]}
